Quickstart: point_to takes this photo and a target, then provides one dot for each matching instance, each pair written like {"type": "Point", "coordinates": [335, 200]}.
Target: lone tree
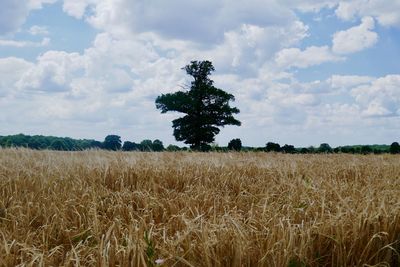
{"type": "Point", "coordinates": [206, 108]}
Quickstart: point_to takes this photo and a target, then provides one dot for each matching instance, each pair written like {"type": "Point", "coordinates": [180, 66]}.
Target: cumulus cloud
{"type": "Point", "coordinates": [313, 55]}
{"type": "Point", "coordinates": [356, 38]}
{"type": "Point", "coordinates": [52, 73]}
{"type": "Point", "coordinates": [244, 51]}
{"type": "Point", "coordinates": [380, 97]}
{"type": "Point", "coordinates": [11, 70]}
{"type": "Point", "coordinates": [386, 12]}
{"type": "Point", "coordinates": [77, 8]}
{"type": "Point", "coordinates": [14, 13]}
{"type": "Point", "coordinates": [200, 21]}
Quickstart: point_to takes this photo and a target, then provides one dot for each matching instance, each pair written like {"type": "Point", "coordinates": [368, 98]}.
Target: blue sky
{"type": "Point", "coordinates": [303, 72]}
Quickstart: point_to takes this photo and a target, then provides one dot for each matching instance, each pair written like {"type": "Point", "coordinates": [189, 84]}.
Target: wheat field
{"type": "Point", "coordinates": [97, 208]}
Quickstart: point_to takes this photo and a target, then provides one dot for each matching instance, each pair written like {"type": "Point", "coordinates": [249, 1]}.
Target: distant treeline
{"type": "Point", "coordinates": [113, 142]}
{"type": "Point", "coordinates": [47, 142]}
{"type": "Point", "coordinates": [394, 148]}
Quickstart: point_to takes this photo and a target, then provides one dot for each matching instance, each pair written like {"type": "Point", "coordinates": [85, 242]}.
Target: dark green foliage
{"type": "Point", "coordinates": [304, 150]}
{"type": "Point", "coordinates": [130, 146]}
{"type": "Point", "coordinates": [345, 149]}
{"type": "Point", "coordinates": [366, 150]}
{"type": "Point", "coordinates": [59, 145]}
{"type": "Point", "coordinates": [325, 148]}
{"type": "Point", "coordinates": [288, 149]}
{"type": "Point", "coordinates": [202, 147]}
{"type": "Point", "coordinates": [146, 145]}
{"type": "Point", "coordinates": [272, 147]}
{"type": "Point", "coordinates": [217, 148]}
{"type": "Point", "coordinates": [206, 108]}
{"type": "Point", "coordinates": [35, 143]}
{"type": "Point", "coordinates": [395, 148]}
{"type": "Point", "coordinates": [150, 249]}
{"type": "Point", "coordinates": [112, 142]}
{"type": "Point", "coordinates": [96, 144]}
{"type": "Point", "coordinates": [312, 149]}
{"type": "Point", "coordinates": [157, 145]}
{"type": "Point", "coordinates": [376, 149]}
{"type": "Point", "coordinates": [235, 144]}
{"type": "Point", "coordinates": [46, 142]}
{"type": "Point", "coordinates": [172, 148]}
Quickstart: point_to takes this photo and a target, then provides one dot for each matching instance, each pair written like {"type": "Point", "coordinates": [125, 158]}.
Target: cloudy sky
{"type": "Point", "coordinates": [303, 72]}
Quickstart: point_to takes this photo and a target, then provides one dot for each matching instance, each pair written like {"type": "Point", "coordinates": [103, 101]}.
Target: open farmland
{"type": "Point", "coordinates": [97, 208]}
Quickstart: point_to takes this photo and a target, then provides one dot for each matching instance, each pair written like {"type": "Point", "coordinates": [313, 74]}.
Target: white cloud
{"type": "Point", "coordinates": [244, 51]}
{"type": "Point", "coordinates": [11, 69]}
{"type": "Point", "coordinates": [14, 13]}
{"type": "Point", "coordinates": [381, 97]}
{"type": "Point", "coordinates": [348, 81]}
{"type": "Point", "coordinates": [311, 5]}
{"type": "Point", "coordinates": [313, 55]}
{"type": "Point", "coordinates": [387, 13]}
{"type": "Point", "coordinates": [52, 73]}
{"type": "Point", "coordinates": [21, 44]}
{"type": "Point", "coordinates": [77, 8]}
{"type": "Point", "coordinates": [200, 21]}
{"type": "Point", "coordinates": [356, 38]}
{"type": "Point", "coordinates": [38, 30]}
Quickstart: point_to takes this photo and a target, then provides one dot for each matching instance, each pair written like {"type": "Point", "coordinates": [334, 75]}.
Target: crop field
{"type": "Point", "coordinates": [97, 208]}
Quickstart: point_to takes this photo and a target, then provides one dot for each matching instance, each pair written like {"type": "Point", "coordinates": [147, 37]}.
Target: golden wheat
{"type": "Point", "coordinates": [97, 208]}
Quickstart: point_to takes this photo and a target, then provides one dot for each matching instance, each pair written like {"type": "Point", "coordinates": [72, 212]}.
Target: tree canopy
{"type": "Point", "coordinates": [206, 108]}
{"type": "Point", "coordinates": [395, 148]}
{"type": "Point", "coordinates": [271, 146]}
{"type": "Point", "coordinates": [112, 142]}
{"type": "Point", "coordinates": [325, 148]}
{"type": "Point", "coordinates": [235, 144]}
{"type": "Point", "coordinates": [130, 146]}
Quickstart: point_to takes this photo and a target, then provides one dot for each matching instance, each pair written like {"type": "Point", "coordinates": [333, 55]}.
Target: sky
{"type": "Point", "coordinates": [303, 72]}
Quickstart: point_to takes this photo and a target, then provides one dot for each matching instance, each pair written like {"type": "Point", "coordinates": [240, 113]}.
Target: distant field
{"type": "Point", "coordinates": [99, 208]}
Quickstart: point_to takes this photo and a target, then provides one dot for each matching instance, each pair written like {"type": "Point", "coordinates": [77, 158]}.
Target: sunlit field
{"type": "Point", "coordinates": [97, 208]}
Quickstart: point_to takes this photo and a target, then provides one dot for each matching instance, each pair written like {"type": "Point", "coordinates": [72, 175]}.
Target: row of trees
{"type": "Point", "coordinates": [48, 142]}
{"type": "Point", "coordinates": [113, 142]}
{"type": "Point", "coordinates": [394, 148]}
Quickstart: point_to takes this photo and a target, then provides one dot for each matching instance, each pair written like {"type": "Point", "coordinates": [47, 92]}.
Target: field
{"type": "Point", "coordinates": [97, 208]}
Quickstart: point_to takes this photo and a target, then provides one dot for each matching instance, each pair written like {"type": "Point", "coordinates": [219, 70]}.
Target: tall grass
{"type": "Point", "coordinates": [97, 208]}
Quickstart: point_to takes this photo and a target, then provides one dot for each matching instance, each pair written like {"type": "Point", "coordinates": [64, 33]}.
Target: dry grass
{"type": "Point", "coordinates": [241, 209]}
